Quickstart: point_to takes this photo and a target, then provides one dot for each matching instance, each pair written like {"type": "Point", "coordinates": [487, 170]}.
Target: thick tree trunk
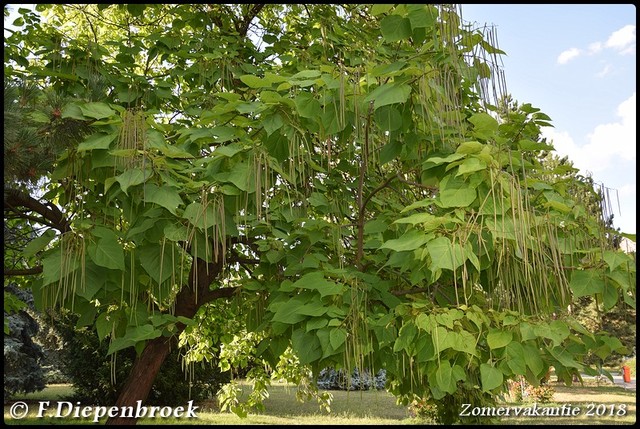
{"type": "Point", "coordinates": [141, 378]}
{"type": "Point", "coordinates": [148, 364]}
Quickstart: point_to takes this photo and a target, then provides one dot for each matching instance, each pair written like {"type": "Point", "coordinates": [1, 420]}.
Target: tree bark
{"type": "Point", "coordinates": [148, 364]}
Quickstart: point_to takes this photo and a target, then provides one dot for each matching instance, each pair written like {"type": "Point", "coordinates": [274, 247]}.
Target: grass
{"type": "Point", "coordinates": [363, 408]}
{"type": "Point", "coordinates": [597, 405]}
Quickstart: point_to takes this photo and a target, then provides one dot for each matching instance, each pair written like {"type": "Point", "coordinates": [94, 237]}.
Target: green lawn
{"type": "Point", "coordinates": [366, 408]}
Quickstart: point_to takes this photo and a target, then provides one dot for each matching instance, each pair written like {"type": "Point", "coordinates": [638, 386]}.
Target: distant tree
{"type": "Point", "coordinates": [22, 357]}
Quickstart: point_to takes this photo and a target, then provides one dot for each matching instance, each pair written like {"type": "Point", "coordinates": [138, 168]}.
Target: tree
{"type": "Point", "coordinates": [22, 357]}
{"type": "Point", "coordinates": [335, 177]}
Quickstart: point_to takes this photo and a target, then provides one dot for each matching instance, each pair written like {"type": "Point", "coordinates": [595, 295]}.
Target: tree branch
{"type": "Point", "coordinates": [14, 198]}
{"type": "Point", "coordinates": [360, 201]}
{"type": "Point", "coordinates": [23, 271]}
{"type": "Point", "coordinates": [410, 291]}
{"type": "Point", "coordinates": [243, 27]}
{"type": "Point", "coordinates": [21, 215]}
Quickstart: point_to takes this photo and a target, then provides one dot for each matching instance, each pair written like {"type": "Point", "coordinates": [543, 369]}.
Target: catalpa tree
{"type": "Point", "coordinates": [345, 180]}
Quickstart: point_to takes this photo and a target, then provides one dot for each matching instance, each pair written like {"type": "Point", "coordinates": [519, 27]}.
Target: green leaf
{"type": "Point", "coordinates": [330, 120]}
{"type": "Point", "coordinates": [307, 74]}
{"type": "Point", "coordinates": [438, 160]}
{"type": "Point", "coordinates": [337, 337]}
{"type": "Point", "coordinates": [136, 9]}
{"type": "Point", "coordinates": [425, 351]}
{"type": "Point", "coordinates": [445, 254]}
{"type": "Point", "coordinates": [516, 358]}
{"type": "Point", "coordinates": [39, 243]}
{"type": "Point", "coordinates": [615, 258]}
{"type": "Point", "coordinates": [317, 323]}
{"type": "Point", "coordinates": [564, 357]}
{"type": "Point", "coordinates": [307, 105]}
{"type": "Point", "coordinates": [444, 377]}
{"type": "Point", "coordinates": [586, 282]}
{"type": "Point", "coordinates": [609, 296]}
{"type": "Point", "coordinates": [390, 151]}
{"type": "Point", "coordinates": [197, 216]}
{"type": "Point", "coordinates": [405, 338]}
{"type": "Point", "coordinates": [316, 281]}
{"type": "Point", "coordinates": [470, 147]}
{"type": "Point", "coordinates": [532, 145]}
{"type": "Point", "coordinates": [239, 176]}
{"type": "Point", "coordinates": [272, 123]}
{"type": "Point", "coordinates": [132, 177]}
{"type": "Point", "coordinates": [165, 196]}
{"type": "Point", "coordinates": [490, 377]}
{"type": "Point", "coordinates": [423, 17]}
{"type": "Point", "coordinates": [484, 125]}
{"type": "Point", "coordinates": [533, 360]}
{"type": "Point", "coordinates": [109, 253]}
{"type": "Point", "coordinates": [389, 93]}
{"type": "Point", "coordinates": [298, 308]}
{"type": "Point", "coordinates": [219, 134]}
{"type": "Point", "coordinates": [428, 221]}
{"type": "Point", "coordinates": [410, 240]}
{"type": "Point", "coordinates": [97, 141]}
{"type": "Point", "coordinates": [395, 27]}
{"type": "Point", "coordinates": [456, 193]}
{"type": "Point", "coordinates": [134, 334]}
{"type": "Point", "coordinates": [306, 346]}
{"type": "Point", "coordinates": [254, 81]}
{"type": "Point", "coordinates": [379, 9]}
{"type": "Point", "coordinates": [470, 165]}
{"type": "Point", "coordinates": [388, 118]}
{"type": "Point", "coordinates": [157, 261]}
{"type": "Point", "coordinates": [104, 326]}
{"type": "Point", "coordinates": [95, 279]}
{"type": "Point", "coordinates": [96, 110]}
{"type": "Point", "coordinates": [176, 232]}
{"type": "Point", "coordinates": [497, 339]}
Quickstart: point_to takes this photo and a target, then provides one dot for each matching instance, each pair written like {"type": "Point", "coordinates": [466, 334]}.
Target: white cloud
{"type": "Point", "coordinates": [628, 190]}
{"type": "Point", "coordinates": [606, 143]}
{"type": "Point", "coordinates": [595, 47]}
{"type": "Point", "coordinates": [623, 40]}
{"type": "Point", "coordinates": [568, 55]}
{"type": "Point", "coordinates": [605, 71]}
{"type": "Point", "coordinates": [609, 157]}
{"type": "Point", "coordinates": [565, 146]}
{"type": "Point", "coordinates": [615, 140]}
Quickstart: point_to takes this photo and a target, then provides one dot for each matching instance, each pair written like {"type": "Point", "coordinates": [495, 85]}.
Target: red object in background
{"type": "Point", "coordinates": [626, 374]}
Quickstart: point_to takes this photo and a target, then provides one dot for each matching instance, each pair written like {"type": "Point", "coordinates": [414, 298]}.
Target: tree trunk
{"type": "Point", "coordinates": [148, 364]}
{"type": "Point", "coordinates": [141, 378]}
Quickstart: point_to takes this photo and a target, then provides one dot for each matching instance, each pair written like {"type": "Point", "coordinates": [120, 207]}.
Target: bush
{"type": "Point", "coordinates": [521, 391]}
{"type": "Point", "coordinates": [91, 371]}
{"type": "Point", "coordinates": [424, 409]}
{"type": "Point", "coordinates": [330, 379]}
{"type": "Point", "coordinates": [22, 357]}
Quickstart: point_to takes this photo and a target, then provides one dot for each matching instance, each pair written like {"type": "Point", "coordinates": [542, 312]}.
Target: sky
{"type": "Point", "coordinates": [577, 63]}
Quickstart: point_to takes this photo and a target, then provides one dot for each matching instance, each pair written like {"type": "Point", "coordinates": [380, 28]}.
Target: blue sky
{"type": "Point", "coordinates": [577, 63]}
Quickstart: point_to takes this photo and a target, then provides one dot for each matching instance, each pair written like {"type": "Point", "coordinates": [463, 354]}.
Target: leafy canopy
{"type": "Point", "coordinates": [345, 168]}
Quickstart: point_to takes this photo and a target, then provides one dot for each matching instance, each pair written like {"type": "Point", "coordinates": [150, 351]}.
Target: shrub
{"type": "Point", "coordinates": [521, 391]}
{"type": "Point", "coordinates": [91, 371]}
{"type": "Point", "coordinates": [22, 357]}
{"type": "Point", "coordinates": [330, 379]}
{"type": "Point", "coordinates": [424, 409]}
